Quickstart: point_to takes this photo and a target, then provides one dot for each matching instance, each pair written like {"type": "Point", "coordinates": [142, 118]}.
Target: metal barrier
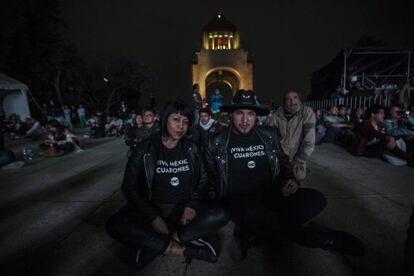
{"type": "Point", "coordinates": [352, 102]}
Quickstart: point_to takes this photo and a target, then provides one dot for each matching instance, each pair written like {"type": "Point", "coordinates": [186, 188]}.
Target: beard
{"type": "Point", "coordinates": [293, 109]}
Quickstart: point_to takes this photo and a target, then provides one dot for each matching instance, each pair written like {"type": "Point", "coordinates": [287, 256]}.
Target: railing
{"type": "Point", "coordinates": [352, 102]}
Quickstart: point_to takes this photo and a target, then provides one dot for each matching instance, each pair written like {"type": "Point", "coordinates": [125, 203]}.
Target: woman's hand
{"type": "Point", "coordinates": [188, 215]}
{"type": "Point", "coordinates": [159, 225]}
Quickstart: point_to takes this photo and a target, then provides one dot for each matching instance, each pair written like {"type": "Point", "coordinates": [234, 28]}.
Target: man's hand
{"type": "Point", "coordinates": [289, 187]}
{"type": "Point", "coordinates": [159, 225]}
{"type": "Point", "coordinates": [188, 215]}
{"type": "Point", "coordinates": [298, 166]}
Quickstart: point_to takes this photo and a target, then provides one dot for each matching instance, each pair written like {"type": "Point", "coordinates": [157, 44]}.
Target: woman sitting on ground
{"type": "Point", "coordinates": [57, 142]}
{"type": "Point", "coordinates": [163, 183]}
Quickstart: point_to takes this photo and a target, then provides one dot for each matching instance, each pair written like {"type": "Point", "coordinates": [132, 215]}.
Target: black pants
{"type": "Point", "coordinates": [128, 227]}
{"type": "Point", "coordinates": [278, 215]}
{"type": "Point", "coordinates": [377, 149]}
{"type": "Point", "coordinates": [409, 248]}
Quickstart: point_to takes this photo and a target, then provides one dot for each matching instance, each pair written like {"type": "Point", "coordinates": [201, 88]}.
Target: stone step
{"type": "Point", "coordinates": [34, 223]}
{"type": "Point", "coordinates": [36, 179]}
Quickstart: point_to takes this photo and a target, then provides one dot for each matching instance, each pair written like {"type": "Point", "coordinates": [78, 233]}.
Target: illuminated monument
{"type": "Point", "coordinates": [222, 63]}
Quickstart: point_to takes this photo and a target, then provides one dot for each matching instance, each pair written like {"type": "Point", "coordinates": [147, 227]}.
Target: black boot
{"type": "Point", "coordinates": [143, 258]}
{"type": "Point", "coordinates": [342, 242]}
{"type": "Point", "coordinates": [203, 253]}
{"type": "Point", "coordinates": [136, 258]}
{"type": "Point", "coordinates": [317, 236]}
{"type": "Point", "coordinates": [410, 159]}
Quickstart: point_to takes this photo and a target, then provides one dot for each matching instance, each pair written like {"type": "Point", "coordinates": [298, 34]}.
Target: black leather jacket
{"type": "Point", "coordinates": [217, 158]}
{"type": "Point", "coordinates": [139, 175]}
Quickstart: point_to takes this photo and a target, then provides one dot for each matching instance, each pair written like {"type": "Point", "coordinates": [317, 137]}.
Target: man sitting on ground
{"type": "Point", "coordinates": [252, 177]}
{"type": "Point", "coordinates": [296, 124]}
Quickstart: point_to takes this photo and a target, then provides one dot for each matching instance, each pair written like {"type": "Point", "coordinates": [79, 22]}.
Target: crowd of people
{"type": "Point", "coordinates": [189, 175]}
{"type": "Point", "coordinates": [193, 167]}
{"type": "Point", "coordinates": [375, 133]}
{"type": "Point", "coordinates": [56, 126]}
{"type": "Point", "coordinates": [188, 178]}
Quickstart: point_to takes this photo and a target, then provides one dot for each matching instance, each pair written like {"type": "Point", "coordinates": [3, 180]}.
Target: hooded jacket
{"type": "Point", "coordinates": [298, 132]}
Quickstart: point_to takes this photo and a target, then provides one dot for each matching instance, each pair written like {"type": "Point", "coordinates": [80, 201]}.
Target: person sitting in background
{"type": "Point", "coordinates": [398, 126]}
{"type": "Point", "coordinates": [97, 127]}
{"type": "Point", "coordinates": [132, 135]}
{"type": "Point", "coordinates": [35, 129]}
{"type": "Point", "coordinates": [343, 114]}
{"type": "Point", "coordinates": [71, 138]}
{"type": "Point", "coordinates": [395, 126]}
{"type": "Point", "coordinates": [57, 143]}
{"type": "Point", "coordinates": [224, 119]}
{"type": "Point", "coordinates": [131, 120]}
{"type": "Point", "coordinates": [357, 118]}
{"type": "Point", "coordinates": [150, 125]}
{"type": "Point", "coordinates": [374, 141]}
{"type": "Point", "coordinates": [15, 126]}
{"type": "Point", "coordinates": [114, 127]}
{"type": "Point", "coordinates": [349, 113]}
{"type": "Point", "coordinates": [411, 117]}
{"type": "Point", "coordinates": [335, 125]}
{"type": "Point", "coordinates": [320, 127]}
{"type": "Point", "coordinates": [207, 126]}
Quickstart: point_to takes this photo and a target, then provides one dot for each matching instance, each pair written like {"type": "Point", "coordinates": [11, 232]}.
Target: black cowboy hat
{"type": "Point", "coordinates": [244, 99]}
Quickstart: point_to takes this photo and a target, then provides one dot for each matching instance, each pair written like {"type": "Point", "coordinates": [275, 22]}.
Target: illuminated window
{"type": "Point", "coordinates": [220, 41]}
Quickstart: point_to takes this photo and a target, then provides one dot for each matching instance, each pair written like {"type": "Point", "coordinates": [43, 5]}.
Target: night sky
{"type": "Point", "coordinates": [288, 40]}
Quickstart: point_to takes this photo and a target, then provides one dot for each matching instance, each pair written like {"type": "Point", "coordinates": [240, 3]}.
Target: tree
{"type": "Point", "coordinates": [38, 49]}
{"type": "Point", "coordinates": [115, 79]}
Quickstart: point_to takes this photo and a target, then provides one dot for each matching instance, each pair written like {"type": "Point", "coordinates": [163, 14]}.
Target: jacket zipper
{"type": "Point", "coordinates": [147, 175]}
{"type": "Point", "coordinates": [190, 157]}
{"type": "Point", "coordinates": [272, 154]}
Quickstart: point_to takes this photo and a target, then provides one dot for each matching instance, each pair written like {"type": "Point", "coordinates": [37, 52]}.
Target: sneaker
{"type": "Point", "coordinates": [203, 253]}
{"type": "Point", "coordinates": [344, 243]}
{"type": "Point", "coordinates": [143, 258]}
{"type": "Point", "coordinates": [202, 242]}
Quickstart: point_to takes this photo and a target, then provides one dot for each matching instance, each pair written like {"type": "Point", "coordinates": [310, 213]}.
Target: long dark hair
{"type": "Point", "coordinates": [171, 107]}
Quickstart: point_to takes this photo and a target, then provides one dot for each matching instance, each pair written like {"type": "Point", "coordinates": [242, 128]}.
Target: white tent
{"type": "Point", "coordinates": [15, 97]}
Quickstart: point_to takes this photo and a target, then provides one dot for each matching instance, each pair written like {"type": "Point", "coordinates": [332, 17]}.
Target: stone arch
{"type": "Point", "coordinates": [226, 79]}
